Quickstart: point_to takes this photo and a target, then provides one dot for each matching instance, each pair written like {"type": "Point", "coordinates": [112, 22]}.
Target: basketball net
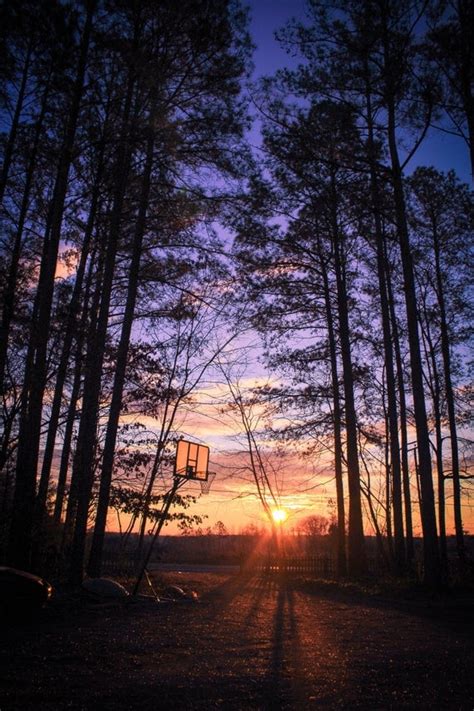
{"type": "Point", "coordinates": [206, 483]}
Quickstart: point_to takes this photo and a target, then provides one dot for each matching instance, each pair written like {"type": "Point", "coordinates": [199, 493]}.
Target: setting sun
{"type": "Point", "coordinates": [279, 515]}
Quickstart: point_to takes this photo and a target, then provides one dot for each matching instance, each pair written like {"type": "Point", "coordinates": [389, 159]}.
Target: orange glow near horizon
{"type": "Point", "coordinates": [305, 485]}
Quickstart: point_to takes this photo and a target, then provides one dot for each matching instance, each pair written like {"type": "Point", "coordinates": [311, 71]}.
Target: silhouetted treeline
{"type": "Point", "coordinates": [359, 269]}
{"type": "Point", "coordinates": [122, 143]}
{"type": "Point", "coordinates": [122, 125]}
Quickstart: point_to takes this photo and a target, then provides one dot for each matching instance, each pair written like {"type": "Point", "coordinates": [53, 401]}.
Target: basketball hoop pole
{"type": "Point", "coordinates": [177, 482]}
{"type": "Point", "coordinates": [191, 463]}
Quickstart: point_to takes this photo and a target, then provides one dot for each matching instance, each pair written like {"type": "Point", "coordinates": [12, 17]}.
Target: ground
{"type": "Point", "coordinates": [249, 643]}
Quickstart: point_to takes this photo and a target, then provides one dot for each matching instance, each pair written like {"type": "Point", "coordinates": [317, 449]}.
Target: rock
{"type": "Point", "coordinates": [21, 591]}
{"type": "Point", "coordinates": [105, 588]}
{"type": "Point", "coordinates": [177, 593]}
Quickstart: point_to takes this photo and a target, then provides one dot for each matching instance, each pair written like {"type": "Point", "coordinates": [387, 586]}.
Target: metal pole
{"type": "Point", "coordinates": [170, 496]}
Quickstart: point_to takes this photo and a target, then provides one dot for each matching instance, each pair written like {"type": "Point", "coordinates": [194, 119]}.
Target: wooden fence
{"type": "Point", "coordinates": [322, 565]}
{"type": "Point", "coordinates": [119, 567]}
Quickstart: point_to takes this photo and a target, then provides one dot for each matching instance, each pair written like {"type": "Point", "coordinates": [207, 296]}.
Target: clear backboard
{"type": "Point", "coordinates": [192, 460]}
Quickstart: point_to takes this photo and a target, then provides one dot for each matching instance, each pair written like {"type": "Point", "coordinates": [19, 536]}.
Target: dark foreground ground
{"type": "Point", "coordinates": [249, 643]}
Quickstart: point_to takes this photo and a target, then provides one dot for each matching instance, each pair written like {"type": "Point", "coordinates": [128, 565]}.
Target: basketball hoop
{"type": "Point", "coordinates": [206, 483]}
{"type": "Point", "coordinates": [191, 460]}
{"type": "Point", "coordinates": [190, 464]}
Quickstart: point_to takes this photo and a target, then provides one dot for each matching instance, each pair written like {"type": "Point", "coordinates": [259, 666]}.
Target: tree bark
{"type": "Point", "coordinates": [95, 561]}
{"type": "Point", "coordinates": [407, 507]}
{"type": "Point", "coordinates": [69, 334]}
{"type": "Point", "coordinates": [450, 402]}
{"type": "Point", "coordinates": [337, 425]}
{"type": "Point", "coordinates": [466, 18]}
{"type": "Point", "coordinates": [83, 468]}
{"type": "Point", "coordinates": [432, 572]}
{"type": "Point", "coordinates": [9, 293]}
{"type": "Point", "coordinates": [92, 317]}
{"type": "Point", "coordinates": [9, 148]}
{"type": "Point", "coordinates": [357, 561]}
{"type": "Point", "coordinates": [67, 439]}
{"type": "Point", "coordinates": [21, 530]}
{"type": "Point", "coordinates": [434, 385]}
{"type": "Point", "coordinates": [387, 342]}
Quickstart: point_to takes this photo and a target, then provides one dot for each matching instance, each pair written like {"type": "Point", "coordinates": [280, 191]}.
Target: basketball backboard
{"type": "Point", "coordinates": [192, 460]}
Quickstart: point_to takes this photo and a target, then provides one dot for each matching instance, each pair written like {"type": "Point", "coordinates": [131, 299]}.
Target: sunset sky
{"type": "Point", "coordinates": [244, 225]}
{"type": "Point", "coordinates": [303, 486]}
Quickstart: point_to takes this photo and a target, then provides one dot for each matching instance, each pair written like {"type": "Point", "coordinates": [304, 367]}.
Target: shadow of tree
{"type": "Point", "coordinates": [452, 611]}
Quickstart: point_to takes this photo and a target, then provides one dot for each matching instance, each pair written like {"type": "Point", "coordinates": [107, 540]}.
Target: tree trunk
{"type": "Point", "coordinates": [92, 316]}
{"type": "Point", "coordinates": [387, 340]}
{"type": "Point", "coordinates": [95, 562]}
{"type": "Point", "coordinates": [465, 18]}
{"type": "Point", "coordinates": [21, 530]}
{"type": "Point", "coordinates": [357, 561]}
{"type": "Point", "coordinates": [70, 419]}
{"type": "Point", "coordinates": [338, 470]}
{"type": "Point", "coordinates": [9, 293]}
{"type": "Point", "coordinates": [69, 334]}
{"type": "Point", "coordinates": [10, 145]}
{"type": "Point", "coordinates": [443, 548]}
{"type": "Point", "coordinates": [434, 386]}
{"type": "Point", "coordinates": [83, 468]}
{"type": "Point", "coordinates": [431, 561]}
{"type": "Point", "coordinates": [388, 487]}
{"type": "Point", "coordinates": [67, 439]}
{"type": "Point", "coordinates": [449, 392]}
{"type": "Point", "coordinates": [410, 551]}
{"type": "Point", "coordinates": [427, 507]}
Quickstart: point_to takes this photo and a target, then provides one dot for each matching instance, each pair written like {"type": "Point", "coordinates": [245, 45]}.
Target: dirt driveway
{"type": "Point", "coordinates": [250, 643]}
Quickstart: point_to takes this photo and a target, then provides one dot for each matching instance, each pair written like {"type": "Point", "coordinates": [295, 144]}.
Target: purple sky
{"type": "Point", "coordinates": [440, 150]}
{"type": "Point", "coordinates": [266, 17]}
